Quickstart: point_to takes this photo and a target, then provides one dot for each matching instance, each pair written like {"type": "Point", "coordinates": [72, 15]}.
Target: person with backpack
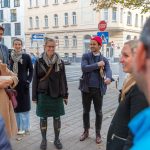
{"type": "Point", "coordinates": [96, 76]}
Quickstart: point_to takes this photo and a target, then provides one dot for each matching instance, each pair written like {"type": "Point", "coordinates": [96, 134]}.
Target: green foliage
{"type": "Point", "coordinates": [144, 5]}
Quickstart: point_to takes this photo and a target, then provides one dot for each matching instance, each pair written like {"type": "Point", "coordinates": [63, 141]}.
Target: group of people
{"type": "Point", "coordinates": [129, 128]}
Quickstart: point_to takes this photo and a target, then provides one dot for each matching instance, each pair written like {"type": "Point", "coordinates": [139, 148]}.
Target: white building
{"type": "Point", "coordinates": [12, 19]}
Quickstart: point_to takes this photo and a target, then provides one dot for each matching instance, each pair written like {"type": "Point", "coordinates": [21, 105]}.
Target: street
{"type": "Point", "coordinates": [72, 122]}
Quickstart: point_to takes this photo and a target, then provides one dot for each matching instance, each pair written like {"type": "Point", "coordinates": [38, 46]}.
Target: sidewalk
{"type": "Point", "coordinates": [71, 124]}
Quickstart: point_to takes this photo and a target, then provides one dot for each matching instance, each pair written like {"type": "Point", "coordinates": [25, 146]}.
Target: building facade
{"type": "Point", "coordinates": [12, 19]}
{"type": "Point", "coordinates": [73, 22]}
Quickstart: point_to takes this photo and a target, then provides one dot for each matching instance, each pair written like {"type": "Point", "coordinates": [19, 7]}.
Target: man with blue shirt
{"type": "Point", "coordinates": [140, 125]}
{"type": "Point", "coordinates": [4, 53]}
{"type": "Point", "coordinates": [96, 76]}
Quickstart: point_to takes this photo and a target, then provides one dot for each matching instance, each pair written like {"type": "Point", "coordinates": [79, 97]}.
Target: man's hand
{"type": "Point", "coordinates": [107, 81]}
{"type": "Point", "coordinates": [66, 101]}
{"type": "Point", "coordinates": [101, 63]}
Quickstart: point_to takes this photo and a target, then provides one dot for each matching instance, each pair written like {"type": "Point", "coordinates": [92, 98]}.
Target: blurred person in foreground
{"type": "Point", "coordinates": [4, 141]}
{"type": "Point", "coordinates": [140, 125]}
{"type": "Point", "coordinates": [132, 101]}
{"type": "Point", "coordinates": [7, 79]}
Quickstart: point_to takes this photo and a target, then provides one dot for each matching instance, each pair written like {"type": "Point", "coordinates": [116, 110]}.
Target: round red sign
{"type": "Point", "coordinates": [102, 25]}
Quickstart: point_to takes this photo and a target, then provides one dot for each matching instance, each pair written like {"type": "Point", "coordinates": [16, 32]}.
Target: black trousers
{"type": "Point", "coordinates": [95, 96]}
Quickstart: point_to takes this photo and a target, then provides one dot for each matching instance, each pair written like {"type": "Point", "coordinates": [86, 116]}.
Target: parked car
{"type": "Point", "coordinates": [66, 61]}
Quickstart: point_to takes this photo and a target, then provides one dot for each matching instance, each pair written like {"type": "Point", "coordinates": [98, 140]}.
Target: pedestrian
{"type": "Point", "coordinates": [4, 141]}
{"type": "Point", "coordinates": [7, 79]}
{"type": "Point", "coordinates": [132, 101]}
{"type": "Point", "coordinates": [93, 85]}
{"type": "Point", "coordinates": [21, 65]}
{"type": "Point", "coordinates": [140, 124]}
{"type": "Point", "coordinates": [4, 53]}
{"type": "Point", "coordinates": [49, 90]}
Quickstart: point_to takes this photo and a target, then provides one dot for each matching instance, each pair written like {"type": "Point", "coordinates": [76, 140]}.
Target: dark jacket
{"type": "Point", "coordinates": [55, 85]}
{"type": "Point", "coordinates": [4, 142]}
{"type": "Point", "coordinates": [5, 54]}
{"type": "Point", "coordinates": [133, 103]}
{"type": "Point", "coordinates": [88, 66]}
{"type": "Point", "coordinates": [25, 73]}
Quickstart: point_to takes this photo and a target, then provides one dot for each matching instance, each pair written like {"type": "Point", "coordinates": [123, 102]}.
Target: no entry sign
{"type": "Point", "coordinates": [102, 25]}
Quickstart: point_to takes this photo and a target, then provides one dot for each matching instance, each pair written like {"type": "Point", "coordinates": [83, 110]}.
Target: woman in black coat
{"type": "Point", "coordinates": [132, 101]}
{"type": "Point", "coordinates": [21, 65]}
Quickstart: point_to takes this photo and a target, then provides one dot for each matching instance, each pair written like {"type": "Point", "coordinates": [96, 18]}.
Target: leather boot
{"type": "Point", "coordinates": [57, 126]}
{"type": "Point", "coordinates": [84, 135]}
{"type": "Point", "coordinates": [43, 127]}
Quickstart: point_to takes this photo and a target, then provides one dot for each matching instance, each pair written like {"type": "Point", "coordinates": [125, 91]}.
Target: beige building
{"type": "Point", "coordinates": [73, 22]}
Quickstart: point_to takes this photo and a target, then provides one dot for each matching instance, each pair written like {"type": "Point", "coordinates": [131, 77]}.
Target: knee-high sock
{"type": "Point", "coordinates": [43, 127]}
{"type": "Point", "coordinates": [57, 126]}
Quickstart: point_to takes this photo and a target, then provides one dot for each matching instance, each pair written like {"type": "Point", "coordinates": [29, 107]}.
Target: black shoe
{"type": "Point", "coordinates": [58, 144]}
{"type": "Point", "coordinates": [43, 145]}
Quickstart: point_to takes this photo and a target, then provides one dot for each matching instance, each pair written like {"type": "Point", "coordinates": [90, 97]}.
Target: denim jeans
{"type": "Point", "coordinates": [23, 121]}
{"type": "Point", "coordinates": [95, 96]}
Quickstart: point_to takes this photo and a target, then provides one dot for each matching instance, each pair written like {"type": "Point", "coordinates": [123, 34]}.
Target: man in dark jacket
{"type": "Point", "coordinates": [4, 142]}
{"type": "Point", "coordinates": [4, 53]}
{"type": "Point", "coordinates": [96, 76]}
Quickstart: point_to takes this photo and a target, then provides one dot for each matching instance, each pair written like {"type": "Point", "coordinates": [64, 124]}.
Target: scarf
{"type": "Point", "coordinates": [16, 57]}
{"type": "Point", "coordinates": [55, 59]}
{"type": "Point", "coordinates": [128, 83]}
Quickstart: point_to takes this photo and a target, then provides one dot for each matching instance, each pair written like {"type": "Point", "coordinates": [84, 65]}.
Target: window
{"type": "Point", "coordinates": [5, 3]}
{"type": "Point", "coordinates": [7, 27]}
{"type": "Point", "coordinates": [13, 15]}
{"type": "Point", "coordinates": [55, 1]}
{"type": "Point", "coordinates": [66, 19]}
{"type": "Point", "coordinates": [30, 3]}
{"type": "Point", "coordinates": [114, 14]}
{"type": "Point", "coordinates": [37, 21]}
{"type": "Point", "coordinates": [57, 41]}
{"type": "Point", "coordinates": [46, 2]}
{"type": "Point", "coordinates": [74, 18]}
{"type": "Point", "coordinates": [128, 37]}
{"type": "Point", "coordinates": [16, 3]}
{"type": "Point", "coordinates": [66, 41]}
{"type": "Point", "coordinates": [56, 20]}
{"type": "Point", "coordinates": [136, 20]}
{"type": "Point", "coordinates": [106, 14]}
{"type": "Point", "coordinates": [30, 23]}
{"type": "Point", "coordinates": [17, 29]}
{"type": "Point", "coordinates": [37, 3]}
{"type": "Point", "coordinates": [74, 41]}
{"type": "Point", "coordinates": [46, 20]}
{"type": "Point", "coordinates": [1, 16]}
{"type": "Point", "coordinates": [121, 15]}
{"type": "Point", "coordinates": [142, 21]}
{"type": "Point", "coordinates": [129, 18]}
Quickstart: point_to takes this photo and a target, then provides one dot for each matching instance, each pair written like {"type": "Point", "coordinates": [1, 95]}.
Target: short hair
{"type": "Point", "coordinates": [1, 28]}
{"type": "Point", "coordinates": [132, 44]}
{"type": "Point", "coordinates": [145, 37]}
{"type": "Point", "coordinates": [48, 40]}
{"type": "Point", "coordinates": [17, 39]}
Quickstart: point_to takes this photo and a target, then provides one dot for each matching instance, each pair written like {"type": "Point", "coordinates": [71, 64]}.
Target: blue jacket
{"type": "Point", "coordinates": [4, 142]}
{"type": "Point", "coordinates": [140, 127]}
{"type": "Point", "coordinates": [5, 53]}
{"type": "Point", "coordinates": [88, 66]}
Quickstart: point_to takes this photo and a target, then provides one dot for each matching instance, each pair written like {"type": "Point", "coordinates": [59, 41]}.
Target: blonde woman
{"type": "Point", "coordinates": [7, 79]}
{"type": "Point", "coordinates": [132, 101]}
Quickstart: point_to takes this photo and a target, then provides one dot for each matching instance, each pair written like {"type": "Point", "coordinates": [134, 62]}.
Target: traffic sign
{"type": "Point", "coordinates": [104, 36]}
{"type": "Point", "coordinates": [102, 25]}
{"type": "Point", "coordinates": [39, 36]}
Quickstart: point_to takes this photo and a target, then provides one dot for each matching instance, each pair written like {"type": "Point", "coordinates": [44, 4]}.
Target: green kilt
{"type": "Point", "coordinates": [49, 107]}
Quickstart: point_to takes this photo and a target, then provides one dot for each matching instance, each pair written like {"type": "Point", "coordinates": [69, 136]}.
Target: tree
{"type": "Point", "coordinates": [144, 5]}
